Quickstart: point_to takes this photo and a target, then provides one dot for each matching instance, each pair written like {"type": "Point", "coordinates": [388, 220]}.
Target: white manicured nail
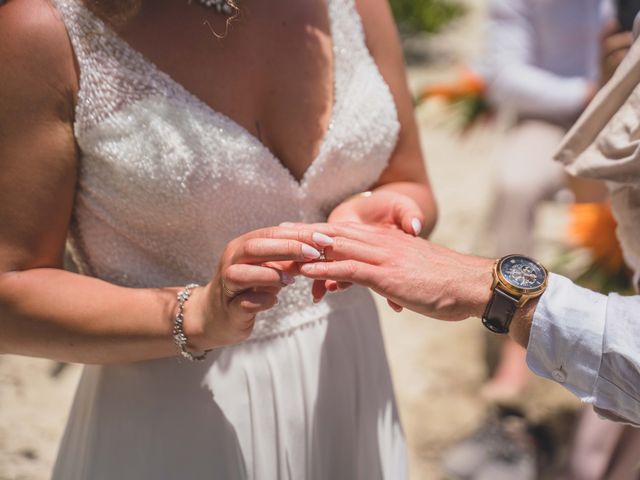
{"type": "Point", "coordinates": [286, 224]}
{"type": "Point", "coordinates": [309, 252]}
{"type": "Point", "coordinates": [287, 279]}
{"type": "Point", "coordinates": [322, 239]}
{"type": "Point", "coordinates": [417, 226]}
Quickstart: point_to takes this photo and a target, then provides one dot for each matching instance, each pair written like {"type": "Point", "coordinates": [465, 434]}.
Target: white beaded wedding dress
{"type": "Point", "coordinates": [164, 183]}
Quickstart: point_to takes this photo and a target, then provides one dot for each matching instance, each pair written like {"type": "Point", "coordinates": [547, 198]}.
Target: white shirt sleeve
{"type": "Point", "coordinates": [513, 81]}
{"type": "Point", "coordinates": [590, 343]}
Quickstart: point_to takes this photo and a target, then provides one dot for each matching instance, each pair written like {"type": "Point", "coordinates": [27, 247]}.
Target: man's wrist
{"type": "Point", "coordinates": [481, 291]}
{"type": "Point", "coordinates": [517, 283]}
{"type": "Point", "coordinates": [522, 321]}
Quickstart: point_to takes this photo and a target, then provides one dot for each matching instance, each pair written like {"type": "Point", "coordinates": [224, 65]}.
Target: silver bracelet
{"type": "Point", "coordinates": [179, 337]}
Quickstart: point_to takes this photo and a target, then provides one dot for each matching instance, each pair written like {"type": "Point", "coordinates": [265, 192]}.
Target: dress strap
{"type": "Point", "coordinates": [112, 74]}
{"type": "Point", "coordinates": [351, 53]}
{"type": "Point", "coordinates": [85, 32]}
{"type": "Point", "coordinates": [348, 32]}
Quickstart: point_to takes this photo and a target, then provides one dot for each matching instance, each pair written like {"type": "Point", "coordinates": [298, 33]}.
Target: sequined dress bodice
{"type": "Point", "coordinates": [165, 182]}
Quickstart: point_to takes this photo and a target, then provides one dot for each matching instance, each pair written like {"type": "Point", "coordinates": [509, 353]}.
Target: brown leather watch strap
{"type": "Point", "coordinates": [499, 312]}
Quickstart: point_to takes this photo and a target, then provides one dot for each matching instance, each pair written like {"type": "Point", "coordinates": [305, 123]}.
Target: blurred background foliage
{"type": "Point", "coordinates": [428, 16]}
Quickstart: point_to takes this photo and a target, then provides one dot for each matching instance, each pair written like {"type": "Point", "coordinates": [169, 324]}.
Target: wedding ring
{"type": "Point", "coordinates": [227, 291]}
{"type": "Point", "coordinates": [322, 257]}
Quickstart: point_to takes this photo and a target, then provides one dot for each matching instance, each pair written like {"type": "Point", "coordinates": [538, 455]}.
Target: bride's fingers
{"type": "Point", "coordinates": [288, 266]}
{"type": "Point", "coordinates": [239, 277]}
{"type": "Point", "coordinates": [342, 271]}
{"type": "Point", "coordinates": [262, 250]}
{"type": "Point", "coordinates": [275, 244]}
{"type": "Point", "coordinates": [318, 290]}
{"type": "Point", "coordinates": [411, 222]}
{"type": "Point", "coordinates": [300, 232]}
{"type": "Point", "coordinates": [252, 302]}
{"type": "Point", "coordinates": [407, 215]}
{"type": "Point", "coordinates": [331, 285]}
{"type": "Point", "coordinates": [334, 286]}
{"type": "Point", "coordinates": [397, 308]}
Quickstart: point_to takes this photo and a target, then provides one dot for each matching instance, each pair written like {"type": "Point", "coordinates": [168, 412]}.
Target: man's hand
{"type": "Point", "coordinates": [381, 208]}
{"type": "Point", "coordinates": [411, 272]}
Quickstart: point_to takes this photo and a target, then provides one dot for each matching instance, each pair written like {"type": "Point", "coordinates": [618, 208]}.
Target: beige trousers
{"type": "Point", "coordinates": [525, 175]}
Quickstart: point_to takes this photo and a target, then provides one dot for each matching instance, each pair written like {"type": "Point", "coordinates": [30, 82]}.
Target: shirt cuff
{"type": "Point", "coordinates": [567, 335]}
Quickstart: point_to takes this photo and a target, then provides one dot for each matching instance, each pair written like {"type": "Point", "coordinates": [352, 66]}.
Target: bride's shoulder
{"type": "Point", "coordinates": [35, 51]}
{"type": "Point", "coordinates": [378, 25]}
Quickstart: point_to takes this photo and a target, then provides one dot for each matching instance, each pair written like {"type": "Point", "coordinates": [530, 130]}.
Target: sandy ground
{"type": "Point", "coordinates": [438, 368]}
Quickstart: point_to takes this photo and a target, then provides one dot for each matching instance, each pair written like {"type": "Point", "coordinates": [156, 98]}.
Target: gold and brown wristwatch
{"type": "Point", "coordinates": [516, 280]}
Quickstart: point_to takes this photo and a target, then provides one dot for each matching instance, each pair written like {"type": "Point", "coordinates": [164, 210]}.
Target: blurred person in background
{"type": "Point", "coordinates": [541, 68]}
{"type": "Point", "coordinates": [602, 449]}
{"type": "Point", "coordinates": [544, 62]}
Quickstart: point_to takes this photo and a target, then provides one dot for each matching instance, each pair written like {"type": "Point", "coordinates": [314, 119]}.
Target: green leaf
{"type": "Point", "coordinates": [429, 16]}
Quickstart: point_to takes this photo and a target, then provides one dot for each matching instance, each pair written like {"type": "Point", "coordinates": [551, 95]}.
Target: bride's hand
{"type": "Point", "coordinates": [412, 272]}
{"type": "Point", "coordinates": [382, 208]}
{"type": "Point", "coordinates": [223, 312]}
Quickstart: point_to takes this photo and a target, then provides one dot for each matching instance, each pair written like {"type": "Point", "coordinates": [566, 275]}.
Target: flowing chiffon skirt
{"type": "Point", "coordinates": [313, 403]}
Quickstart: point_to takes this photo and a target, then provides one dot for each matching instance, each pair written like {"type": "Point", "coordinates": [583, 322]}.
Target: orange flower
{"type": "Point", "coordinates": [468, 83]}
{"type": "Point", "coordinates": [592, 226]}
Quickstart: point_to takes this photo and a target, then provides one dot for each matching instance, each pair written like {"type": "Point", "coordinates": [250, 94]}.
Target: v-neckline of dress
{"type": "Point", "coordinates": [229, 123]}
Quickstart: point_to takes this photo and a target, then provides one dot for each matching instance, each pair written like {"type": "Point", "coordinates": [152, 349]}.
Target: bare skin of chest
{"type": "Point", "coordinates": [272, 73]}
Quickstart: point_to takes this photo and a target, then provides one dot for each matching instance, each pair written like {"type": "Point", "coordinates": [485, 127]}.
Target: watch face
{"type": "Point", "coordinates": [522, 272]}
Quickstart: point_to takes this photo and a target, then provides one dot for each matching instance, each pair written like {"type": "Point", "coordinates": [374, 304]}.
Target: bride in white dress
{"type": "Point", "coordinates": [164, 156]}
